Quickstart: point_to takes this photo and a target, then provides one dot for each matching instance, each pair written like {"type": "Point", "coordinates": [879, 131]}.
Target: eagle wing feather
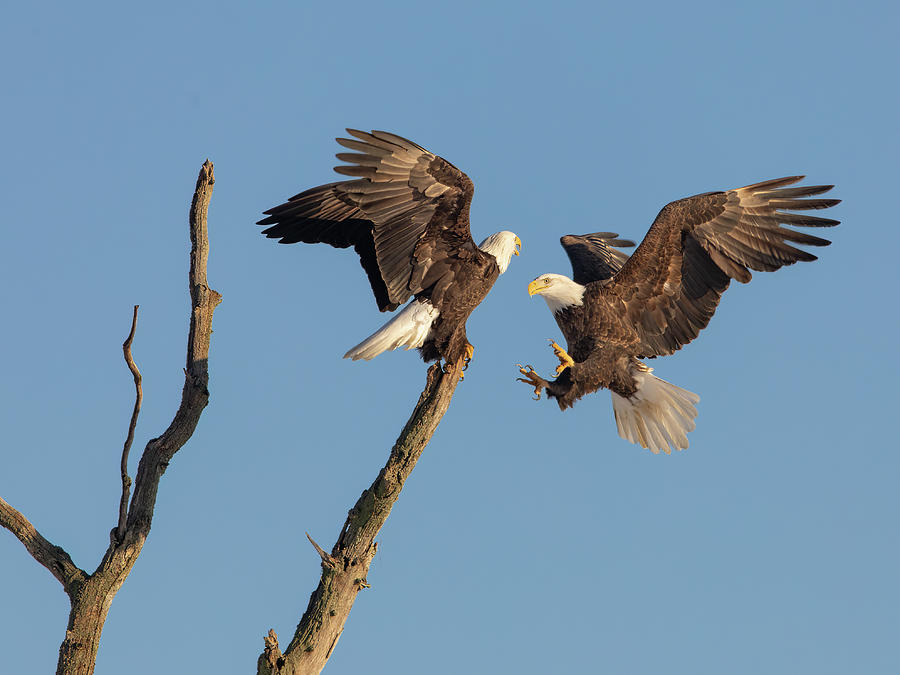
{"type": "Point", "coordinates": [405, 209]}
{"type": "Point", "coordinates": [670, 287]}
{"type": "Point", "coordinates": [595, 256]}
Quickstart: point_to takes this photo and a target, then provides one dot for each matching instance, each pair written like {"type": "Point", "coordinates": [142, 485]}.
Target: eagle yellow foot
{"type": "Point", "coordinates": [467, 357]}
{"type": "Point", "coordinates": [461, 363]}
{"type": "Point", "coordinates": [565, 361]}
{"type": "Point", "coordinates": [532, 379]}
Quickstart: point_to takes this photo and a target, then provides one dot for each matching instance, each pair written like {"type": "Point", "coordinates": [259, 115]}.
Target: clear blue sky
{"type": "Point", "coordinates": [527, 540]}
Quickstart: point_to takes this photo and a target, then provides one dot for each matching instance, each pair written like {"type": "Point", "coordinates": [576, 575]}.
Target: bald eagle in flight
{"type": "Point", "coordinates": [406, 214]}
{"type": "Point", "coordinates": [618, 310]}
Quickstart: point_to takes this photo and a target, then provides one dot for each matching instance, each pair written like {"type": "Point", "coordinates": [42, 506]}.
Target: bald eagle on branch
{"type": "Point", "coordinates": [406, 214]}
{"type": "Point", "coordinates": [618, 310]}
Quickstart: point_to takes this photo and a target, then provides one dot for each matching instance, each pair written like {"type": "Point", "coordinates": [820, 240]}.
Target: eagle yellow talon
{"type": "Point", "coordinates": [463, 362]}
{"type": "Point", "coordinates": [532, 379]}
{"type": "Point", "coordinates": [467, 357]}
{"type": "Point", "coordinates": [565, 361]}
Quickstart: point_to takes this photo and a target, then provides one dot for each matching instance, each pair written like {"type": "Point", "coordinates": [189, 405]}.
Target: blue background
{"type": "Point", "coordinates": [527, 540]}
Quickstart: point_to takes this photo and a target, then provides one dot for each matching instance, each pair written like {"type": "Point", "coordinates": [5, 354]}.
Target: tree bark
{"type": "Point", "coordinates": [345, 569]}
{"type": "Point", "coordinates": [91, 595]}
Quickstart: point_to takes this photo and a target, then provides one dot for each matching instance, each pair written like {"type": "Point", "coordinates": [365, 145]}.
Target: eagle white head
{"type": "Point", "coordinates": [558, 290]}
{"type": "Point", "coordinates": [503, 246]}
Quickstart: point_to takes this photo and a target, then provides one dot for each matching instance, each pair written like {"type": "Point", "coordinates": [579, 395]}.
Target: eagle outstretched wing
{"type": "Point", "coordinates": [595, 257]}
{"type": "Point", "coordinates": [671, 285]}
{"type": "Point", "coordinates": [406, 210]}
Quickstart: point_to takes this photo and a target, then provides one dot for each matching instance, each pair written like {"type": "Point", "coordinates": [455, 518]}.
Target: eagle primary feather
{"type": "Point", "coordinates": [660, 298]}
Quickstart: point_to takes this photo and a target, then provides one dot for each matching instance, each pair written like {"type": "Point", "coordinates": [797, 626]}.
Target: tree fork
{"type": "Point", "coordinates": [91, 595]}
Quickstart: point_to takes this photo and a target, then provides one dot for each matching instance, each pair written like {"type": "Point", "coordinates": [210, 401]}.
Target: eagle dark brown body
{"type": "Point", "coordinates": [458, 300]}
{"type": "Point", "coordinates": [607, 367]}
{"type": "Point", "coordinates": [406, 213]}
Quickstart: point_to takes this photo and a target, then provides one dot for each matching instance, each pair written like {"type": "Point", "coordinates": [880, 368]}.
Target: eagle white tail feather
{"type": "Point", "coordinates": [658, 416]}
{"type": "Point", "coordinates": [409, 328]}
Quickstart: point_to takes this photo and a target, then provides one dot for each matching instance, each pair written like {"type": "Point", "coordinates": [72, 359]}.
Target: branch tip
{"type": "Point", "coordinates": [271, 656]}
{"type": "Point", "coordinates": [326, 558]}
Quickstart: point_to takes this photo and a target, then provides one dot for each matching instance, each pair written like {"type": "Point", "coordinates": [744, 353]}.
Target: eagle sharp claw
{"type": "Point", "coordinates": [462, 363]}
{"type": "Point", "coordinates": [565, 361]}
{"type": "Point", "coordinates": [533, 379]}
{"type": "Point", "coordinates": [467, 357]}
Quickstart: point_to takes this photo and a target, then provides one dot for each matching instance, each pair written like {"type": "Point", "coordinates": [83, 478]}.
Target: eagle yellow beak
{"type": "Point", "coordinates": [535, 287]}
{"type": "Point", "coordinates": [518, 246]}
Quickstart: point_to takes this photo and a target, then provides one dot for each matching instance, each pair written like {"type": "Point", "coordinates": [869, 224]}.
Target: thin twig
{"type": "Point", "coordinates": [138, 397]}
{"type": "Point", "coordinates": [326, 559]}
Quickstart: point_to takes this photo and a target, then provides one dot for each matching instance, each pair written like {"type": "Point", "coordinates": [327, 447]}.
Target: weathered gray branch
{"type": "Point", "coordinates": [344, 571]}
{"type": "Point", "coordinates": [49, 555]}
{"type": "Point", "coordinates": [194, 394]}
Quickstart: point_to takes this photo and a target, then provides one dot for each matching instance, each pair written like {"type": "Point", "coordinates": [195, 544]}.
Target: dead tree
{"type": "Point", "coordinates": [344, 570]}
{"type": "Point", "coordinates": [91, 594]}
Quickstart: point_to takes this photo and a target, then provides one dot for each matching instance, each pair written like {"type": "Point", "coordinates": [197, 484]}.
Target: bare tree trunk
{"type": "Point", "coordinates": [89, 607]}
{"type": "Point", "coordinates": [344, 571]}
{"type": "Point", "coordinates": [91, 595]}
